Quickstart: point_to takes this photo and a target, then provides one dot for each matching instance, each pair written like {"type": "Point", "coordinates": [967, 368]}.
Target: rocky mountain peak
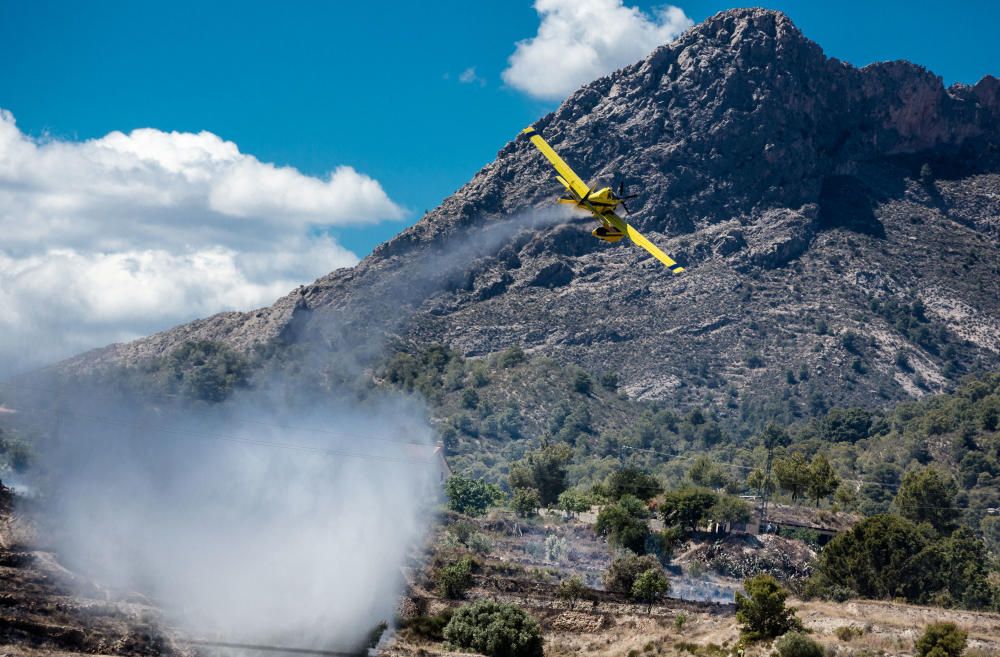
{"type": "Point", "coordinates": [801, 192]}
{"type": "Point", "coordinates": [742, 110]}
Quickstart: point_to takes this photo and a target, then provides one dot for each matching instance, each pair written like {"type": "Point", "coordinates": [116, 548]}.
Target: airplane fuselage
{"type": "Point", "coordinates": [603, 200]}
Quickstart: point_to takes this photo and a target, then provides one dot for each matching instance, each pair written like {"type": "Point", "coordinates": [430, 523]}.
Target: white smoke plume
{"type": "Point", "coordinates": [258, 521]}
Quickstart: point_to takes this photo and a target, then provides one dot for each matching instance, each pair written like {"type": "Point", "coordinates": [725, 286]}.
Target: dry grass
{"type": "Point", "coordinates": [876, 629]}
{"type": "Point", "coordinates": [701, 634]}
{"type": "Point", "coordinates": [891, 628]}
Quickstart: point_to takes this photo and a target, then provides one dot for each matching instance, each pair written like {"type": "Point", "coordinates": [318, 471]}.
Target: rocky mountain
{"type": "Point", "coordinates": [840, 226]}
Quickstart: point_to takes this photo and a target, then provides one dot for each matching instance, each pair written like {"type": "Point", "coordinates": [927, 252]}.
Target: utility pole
{"type": "Point", "coordinates": [772, 436]}
{"type": "Point", "coordinates": [766, 489]}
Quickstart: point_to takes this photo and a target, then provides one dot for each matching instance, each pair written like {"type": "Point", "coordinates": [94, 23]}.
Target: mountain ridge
{"type": "Point", "coordinates": [763, 163]}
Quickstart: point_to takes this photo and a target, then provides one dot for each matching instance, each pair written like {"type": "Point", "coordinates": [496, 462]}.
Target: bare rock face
{"type": "Point", "coordinates": [777, 238]}
{"type": "Point", "coordinates": [809, 199]}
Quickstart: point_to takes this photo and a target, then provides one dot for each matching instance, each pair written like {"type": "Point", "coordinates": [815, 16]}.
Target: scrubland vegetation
{"type": "Point", "coordinates": [526, 434]}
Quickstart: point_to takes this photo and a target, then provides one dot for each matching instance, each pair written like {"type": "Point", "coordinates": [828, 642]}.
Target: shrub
{"type": "Point", "coordinates": [544, 470]}
{"type": "Point", "coordinates": [203, 370]}
{"type": "Point", "coordinates": [634, 482]}
{"type": "Point", "coordinates": [848, 632]}
{"type": "Point", "coordinates": [928, 495]}
{"type": "Point", "coordinates": [429, 627]}
{"type": "Point", "coordinates": [512, 357]}
{"type": "Point", "coordinates": [479, 543]}
{"type": "Point", "coordinates": [761, 613]}
{"type": "Point", "coordinates": [572, 589]}
{"type": "Point", "coordinates": [942, 640]}
{"type": "Point", "coordinates": [730, 509]}
{"type": "Point", "coordinates": [555, 548]}
{"type": "Point", "coordinates": [818, 586]}
{"type": "Point", "coordinates": [624, 524]}
{"type": "Point", "coordinates": [495, 630]}
{"type": "Point", "coordinates": [574, 501]}
{"type": "Point", "coordinates": [461, 531]}
{"type": "Point", "coordinates": [797, 644]}
{"type": "Point", "coordinates": [609, 381]}
{"type": "Point", "coordinates": [887, 556]}
{"type": "Point", "coordinates": [535, 550]}
{"type": "Point", "coordinates": [470, 398]}
{"type": "Point", "coordinates": [623, 571]}
{"type": "Point", "coordinates": [808, 536]}
{"type": "Point", "coordinates": [470, 496]}
{"type": "Point", "coordinates": [687, 507]}
{"type": "Point", "coordinates": [662, 544]}
{"type": "Point", "coordinates": [845, 425]}
{"type": "Point", "coordinates": [465, 534]}
{"type": "Point", "coordinates": [650, 586]}
{"type": "Point", "coordinates": [455, 579]}
{"type": "Point", "coordinates": [480, 377]}
{"type": "Point", "coordinates": [851, 342]}
{"type": "Point", "coordinates": [526, 501]}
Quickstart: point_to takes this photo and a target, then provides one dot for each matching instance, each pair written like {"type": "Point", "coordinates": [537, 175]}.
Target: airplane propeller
{"type": "Point", "coordinates": [620, 196]}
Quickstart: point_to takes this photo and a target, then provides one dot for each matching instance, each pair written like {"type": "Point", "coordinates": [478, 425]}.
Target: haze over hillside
{"type": "Point", "coordinates": [841, 229]}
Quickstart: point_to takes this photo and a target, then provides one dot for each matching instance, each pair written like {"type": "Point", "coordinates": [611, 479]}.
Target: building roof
{"type": "Point", "coordinates": [811, 518]}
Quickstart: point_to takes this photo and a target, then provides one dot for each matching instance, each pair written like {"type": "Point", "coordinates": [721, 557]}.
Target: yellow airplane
{"type": "Point", "coordinates": [601, 202]}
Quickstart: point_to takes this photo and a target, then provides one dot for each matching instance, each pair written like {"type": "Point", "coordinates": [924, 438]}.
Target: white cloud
{"type": "Point", "coordinates": [469, 76]}
{"type": "Point", "coordinates": [581, 40]}
{"type": "Point", "coordinates": [113, 238]}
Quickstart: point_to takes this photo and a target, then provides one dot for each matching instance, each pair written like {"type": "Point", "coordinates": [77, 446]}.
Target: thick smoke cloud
{"type": "Point", "coordinates": [580, 40]}
{"type": "Point", "coordinates": [109, 239]}
{"type": "Point", "coordinates": [260, 521]}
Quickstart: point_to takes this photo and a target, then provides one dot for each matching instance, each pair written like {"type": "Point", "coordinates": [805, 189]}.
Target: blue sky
{"type": "Point", "coordinates": [161, 161]}
{"type": "Point", "coordinates": [373, 85]}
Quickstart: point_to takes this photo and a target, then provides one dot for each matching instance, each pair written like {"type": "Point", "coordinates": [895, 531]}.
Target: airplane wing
{"type": "Point", "coordinates": [641, 240]}
{"type": "Point", "coordinates": [566, 175]}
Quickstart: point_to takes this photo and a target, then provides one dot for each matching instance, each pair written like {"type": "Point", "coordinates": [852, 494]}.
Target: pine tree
{"type": "Point", "coordinates": [823, 481]}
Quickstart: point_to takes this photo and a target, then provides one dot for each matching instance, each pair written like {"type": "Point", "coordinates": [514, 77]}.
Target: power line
{"type": "Point", "coordinates": [744, 467]}
{"type": "Point", "coordinates": [284, 427]}
{"type": "Point", "coordinates": [737, 466]}
{"type": "Point", "coordinates": [250, 441]}
{"type": "Point", "coordinates": [229, 438]}
{"type": "Point", "coordinates": [675, 457]}
{"type": "Point", "coordinates": [730, 464]}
